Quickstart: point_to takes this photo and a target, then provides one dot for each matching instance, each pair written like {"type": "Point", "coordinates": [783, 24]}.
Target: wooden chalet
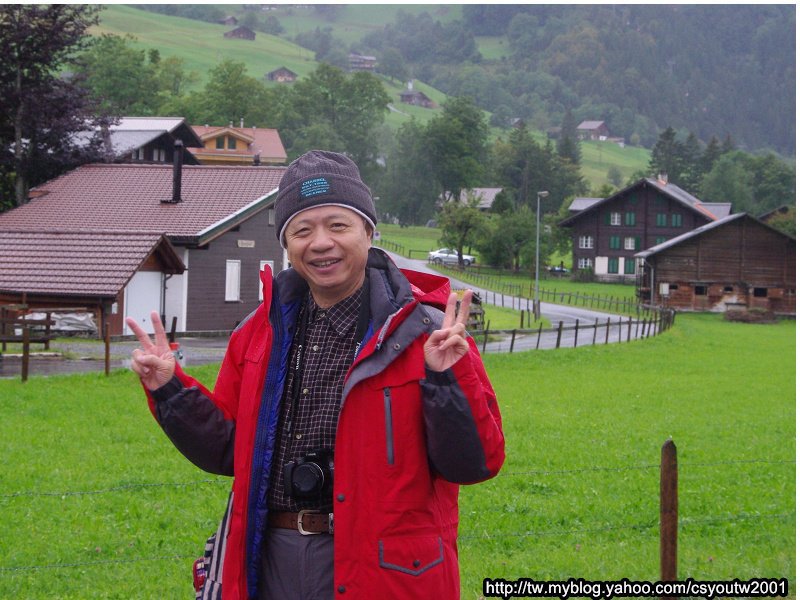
{"type": "Point", "coordinates": [238, 145]}
{"type": "Point", "coordinates": [607, 233]}
{"type": "Point", "coordinates": [281, 75]}
{"type": "Point", "coordinates": [359, 62]}
{"type": "Point", "coordinates": [734, 262]}
{"type": "Point", "coordinates": [593, 130]}
{"type": "Point", "coordinates": [218, 221]}
{"type": "Point", "coordinates": [143, 139]}
{"type": "Point", "coordinates": [416, 98]}
{"type": "Point", "coordinates": [240, 33]}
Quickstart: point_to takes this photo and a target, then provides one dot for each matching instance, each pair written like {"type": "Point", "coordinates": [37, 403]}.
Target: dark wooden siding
{"type": "Point", "coordinates": [207, 309]}
{"type": "Point", "coordinates": [742, 263]}
{"type": "Point", "coordinates": [646, 203]}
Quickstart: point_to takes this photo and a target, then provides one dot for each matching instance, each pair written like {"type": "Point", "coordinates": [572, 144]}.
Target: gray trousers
{"type": "Point", "coordinates": [295, 566]}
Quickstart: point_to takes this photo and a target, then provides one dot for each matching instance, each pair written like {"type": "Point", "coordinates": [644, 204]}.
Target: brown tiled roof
{"type": "Point", "coordinates": [78, 263]}
{"type": "Point", "coordinates": [118, 197]}
{"type": "Point", "coordinates": [264, 142]}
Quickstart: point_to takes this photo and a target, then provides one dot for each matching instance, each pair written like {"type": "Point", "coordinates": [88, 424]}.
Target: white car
{"type": "Point", "coordinates": [447, 256]}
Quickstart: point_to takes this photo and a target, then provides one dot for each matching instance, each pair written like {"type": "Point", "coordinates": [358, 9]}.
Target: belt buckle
{"type": "Point", "coordinates": [300, 516]}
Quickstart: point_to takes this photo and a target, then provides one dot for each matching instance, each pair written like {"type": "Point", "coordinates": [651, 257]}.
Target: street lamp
{"type": "Point", "coordinates": [539, 196]}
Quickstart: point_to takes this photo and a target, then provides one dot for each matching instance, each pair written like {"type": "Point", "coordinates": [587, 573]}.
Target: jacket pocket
{"type": "Point", "coordinates": [387, 411]}
{"type": "Point", "coordinates": [410, 555]}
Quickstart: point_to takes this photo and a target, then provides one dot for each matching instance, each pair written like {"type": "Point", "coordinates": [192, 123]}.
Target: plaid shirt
{"type": "Point", "coordinates": [330, 346]}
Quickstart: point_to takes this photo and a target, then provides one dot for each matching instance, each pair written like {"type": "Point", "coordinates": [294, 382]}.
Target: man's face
{"type": "Point", "coordinates": [328, 246]}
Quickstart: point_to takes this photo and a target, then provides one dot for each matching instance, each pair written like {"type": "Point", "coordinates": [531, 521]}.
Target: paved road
{"type": "Point", "coordinates": [609, 325]}
{"type": "Point", "coordinates": [87, 355]}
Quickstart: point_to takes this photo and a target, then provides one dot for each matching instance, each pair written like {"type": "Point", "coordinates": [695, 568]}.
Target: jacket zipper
{"type": "Point", "coordinates": [387, 409]}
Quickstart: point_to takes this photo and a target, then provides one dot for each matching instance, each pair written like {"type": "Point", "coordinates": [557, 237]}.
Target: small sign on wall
{"type": "Point", "coordinates": [246, 243]}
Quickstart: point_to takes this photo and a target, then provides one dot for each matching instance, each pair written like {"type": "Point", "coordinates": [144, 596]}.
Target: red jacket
{"type": "Point", "coordinates": [406, 438]}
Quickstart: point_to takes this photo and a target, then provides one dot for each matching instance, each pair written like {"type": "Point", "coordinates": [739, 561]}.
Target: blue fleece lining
{"type": "Point", "coordinates": [265, 438]}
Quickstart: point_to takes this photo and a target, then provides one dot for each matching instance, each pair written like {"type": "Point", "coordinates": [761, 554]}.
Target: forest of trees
{"type": "Point", "coordinates": [714, 69]}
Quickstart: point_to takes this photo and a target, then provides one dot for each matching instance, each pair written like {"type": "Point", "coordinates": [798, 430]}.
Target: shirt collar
{"type": "Point", "coordinates": [342, 316]}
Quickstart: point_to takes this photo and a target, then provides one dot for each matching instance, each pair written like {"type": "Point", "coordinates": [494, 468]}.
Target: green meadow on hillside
{"type": "Point", "coordinates": [96, 502]}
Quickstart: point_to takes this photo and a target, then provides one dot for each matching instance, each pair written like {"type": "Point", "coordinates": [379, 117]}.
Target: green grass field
{"type": "Point", "coordinates": [598, 157]}
{"type": "Point", "coordinates": [96, 502]}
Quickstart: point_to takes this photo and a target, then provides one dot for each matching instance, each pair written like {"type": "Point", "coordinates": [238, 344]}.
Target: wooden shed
{"type": "Point", "coordinates": [734, 262]}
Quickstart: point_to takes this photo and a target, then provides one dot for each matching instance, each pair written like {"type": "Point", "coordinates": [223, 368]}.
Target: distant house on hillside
{"type": "Point", "coordinates": [359, 62]}
{"type": "Point", "coordinates": [281, 75]}
{"type": "Point", "coordinates": [734, 262]}
{"type": "Point", "coordinates": [485, 197]}
{"type": "Point", "coordinates": [607, 233]}
{"type": "Point", "coordinates": [241, 33]}
{"type": "Point", "coordinates": [202, 234]}
{"type": "Point", "coordinates": [593, 130]}
{"type": "Point", "coordinates": [416, 98]}
{"type": "Point", "coordinates": [229, 20]}
{"type": "Point", "coordinates": [238, 145]}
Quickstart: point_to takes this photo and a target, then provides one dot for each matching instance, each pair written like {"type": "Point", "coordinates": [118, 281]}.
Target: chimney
{"type": "Point", "coordinates": [257, 160]}
{"type": "Point", "coordinates": [662, 178]}
{"type": "Point", "coordinates": [177, 172]}
{"type": "Point", "coordinates": [241, 122]}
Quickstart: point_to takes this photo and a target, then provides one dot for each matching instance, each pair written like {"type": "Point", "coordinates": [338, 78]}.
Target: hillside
{"type": "Point", "coordinates": [202, 45]}
{"type": "Point", "coordinates": [713, 70]}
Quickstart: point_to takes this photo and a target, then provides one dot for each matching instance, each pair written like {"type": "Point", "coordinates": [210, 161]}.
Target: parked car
{"type": "Point", "coordinates": [447, 256]}
{"type": "Point", "coordinates": [558, 270]}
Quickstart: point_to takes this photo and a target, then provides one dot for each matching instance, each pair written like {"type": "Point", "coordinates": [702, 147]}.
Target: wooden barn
{"type": "Point", "coordinates": [732, 263]}
{"type": "Point", "coordinates": [240, 33]}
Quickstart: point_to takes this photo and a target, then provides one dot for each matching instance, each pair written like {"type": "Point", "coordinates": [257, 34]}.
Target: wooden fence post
{"type": "Point", "coordinates": [560, 329]}
{"type": "Point", "coordinates": [107, 343]}
{"type": "Point", "coordinates": [26, 350]}
{"type": "Point", "coordinates": [669, 512]}
{"type": "Point", "coordinates": [630, 319]}
{"type": "Point", "coordinates": [575, 345]}
{"type": "Point", "coordinates": [539, 337]}
{"type": "Point", "coordinates": [513, 337]}
{"type": "Point", "coordinates": [608, 328]}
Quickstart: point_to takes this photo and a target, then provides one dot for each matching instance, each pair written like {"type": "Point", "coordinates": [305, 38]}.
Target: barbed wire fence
{"type": "Point", "coordinates": [469, 535]}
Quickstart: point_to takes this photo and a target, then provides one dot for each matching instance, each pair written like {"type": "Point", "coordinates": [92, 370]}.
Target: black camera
{"type": "Point", "coordinates": [310, 476]}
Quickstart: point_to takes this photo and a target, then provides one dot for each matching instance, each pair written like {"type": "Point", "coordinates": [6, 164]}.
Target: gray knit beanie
{"type": "Point", "coordinates": [321, 178]}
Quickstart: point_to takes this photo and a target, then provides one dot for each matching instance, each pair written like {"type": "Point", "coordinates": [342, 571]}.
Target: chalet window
{"type": "Point", "coordinates": [159, 155]}
{"type": "Point", "coordinates": [661, 219]}
{"type": "Point", "coordinates": [233, 273]}
{"type": "Point", "coordinates": [630, 266]}
{"type": "Point", "coordinates": [615, 218]}
{"type": "Point", "coordinates": [585, 242]}
{"type": "Point", "coordinates": [630, 218]}
{"type": "Point", "coordinates": [261, 268]}
{"type": "Point", "coordinates": [727, 289]}
{"type": "Point", "coordinates": [613, 266]}
{"type": "Point", "coordinates": [630, 243]}
{"type": "Point", "coordinates": [271, 217]}
{"type": "Point", "coordinates": [759, 292]}
{"type": "Point", "coordinates": [584, 263]}
{"type": "Point", "coordinates": [221, 142]}
{"type": "Point", "coordinates": [231, 143]}
{"type": "Point", "coordinates": [660, 240]}
{"type": "Point", "coordinates": [613, 242]}
{"type": "Point", "coordinates": [701, 290]}
{"type": "Point", "coordinates": [677, 220]}
{"type": "Point", "coordinates": [632, 199]}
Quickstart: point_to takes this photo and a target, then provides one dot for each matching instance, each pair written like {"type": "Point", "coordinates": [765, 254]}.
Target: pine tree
{"type": "Point", "coordinates": [569, 146]}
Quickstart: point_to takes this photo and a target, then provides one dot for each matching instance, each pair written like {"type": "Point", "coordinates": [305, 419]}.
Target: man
{"type": "Point", "coordinates": [348, 367]}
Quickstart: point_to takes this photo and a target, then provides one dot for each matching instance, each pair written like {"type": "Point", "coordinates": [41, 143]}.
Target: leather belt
{"type": "Point", "coordinates": [307, 522]}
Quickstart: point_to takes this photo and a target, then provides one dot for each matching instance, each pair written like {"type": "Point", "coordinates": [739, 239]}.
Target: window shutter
{"type": "Point", "coordinates": [233, 270]}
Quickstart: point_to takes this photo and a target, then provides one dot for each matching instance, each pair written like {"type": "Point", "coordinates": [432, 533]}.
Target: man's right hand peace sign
{"type": "Point", "coordinates": [154, 363]}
